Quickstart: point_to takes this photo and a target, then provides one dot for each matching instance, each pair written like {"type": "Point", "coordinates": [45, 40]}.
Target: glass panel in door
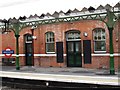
{"type": "Point", "coordinates": [77, 53]}
{"type": "Point", "coordinates": [70, 53]}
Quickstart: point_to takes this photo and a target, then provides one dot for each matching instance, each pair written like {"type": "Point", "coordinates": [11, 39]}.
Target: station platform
{"type": "Point", "coordinates": [71, 75]}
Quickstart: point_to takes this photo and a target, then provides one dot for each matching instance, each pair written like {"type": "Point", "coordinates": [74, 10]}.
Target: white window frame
{"type": "Point", "coordinates": [73, 34]}
{"type": "Point", "coordinates": [101, 31]}
{"type": "Point", "coordinates": [49, 35]}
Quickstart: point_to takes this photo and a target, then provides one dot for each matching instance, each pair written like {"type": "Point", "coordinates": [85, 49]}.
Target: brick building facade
{"type": "Point", "coordinates": [84, 43]}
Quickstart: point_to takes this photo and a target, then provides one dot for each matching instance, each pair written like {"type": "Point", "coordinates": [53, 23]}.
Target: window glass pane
{"type": "Point", "coordinates": [29, 38]}
{"type": "Point", "coordinates": [47, 40]}
{"type": "Point", "coordinates": [95, 35]}
{"type": "Point", "coordinates": [103, 31]}
{"type": "Point", "coordinates": [99, 34]}
{"type": "Point", "coordinates": [50, 47]}
{"type": "Point", "coordinates": [50, 39]}
{"type": "Point", "coordinates": [77, 35]}
{"type": "Point", "coordinates": [103, 48]}
{"type": "Point", "coordinates": [100, 46]}
{"type": "Point", "coordinates": [70, 47]}
{"type": "Point", "coordinates": [103, 37]}
{"type": "Point", "coordinates": [77, 47]}
{"type": "Point", "coordinates": [97, 46]}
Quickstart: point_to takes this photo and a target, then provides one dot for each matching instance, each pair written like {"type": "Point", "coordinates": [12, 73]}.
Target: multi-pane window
{"type": "Point", "coordinates": [50, 48]}
{"type": "Point", "coordinates": [28, 38]}
{"type": "Point", "coordinates": [99, 40]}
{"type": "Point", "coordinates": [73, 35]}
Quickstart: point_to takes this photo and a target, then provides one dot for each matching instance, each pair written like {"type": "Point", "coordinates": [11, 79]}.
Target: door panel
{"type": "Point", "coordinates": [28, 54]}
{"type": "Point", "coordinates": [78, 56]}
{"type": "Point", "coordinates": [71, 59]}
{"type": "Point", "coordinates": [70, 53]}
{"type": "Point", "coordinates": [87, 51]}
{"type": "Point", "coordinates": [59, 52]}
{"type": "Point", "coordinates": [74, 58]}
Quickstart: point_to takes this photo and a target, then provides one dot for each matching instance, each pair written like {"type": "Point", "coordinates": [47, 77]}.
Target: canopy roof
{"type": "Point", "coordinates": [50, 8]}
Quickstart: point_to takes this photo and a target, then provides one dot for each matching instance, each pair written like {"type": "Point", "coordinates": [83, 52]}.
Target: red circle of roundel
{"type": "Point", "coordinates": [8, 55]}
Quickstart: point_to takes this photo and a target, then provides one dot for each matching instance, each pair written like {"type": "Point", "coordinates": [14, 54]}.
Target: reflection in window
{"type": "Point", "coordinates": [73, 35]}
{"type": "Point", "coordinates": [50, 42]}
{"type": "Point", "coordinates": [70, 47]}
{"type": "Point", "coordinates": [77, 47]}
{"type": "Point", "coordinates": [99, 40]}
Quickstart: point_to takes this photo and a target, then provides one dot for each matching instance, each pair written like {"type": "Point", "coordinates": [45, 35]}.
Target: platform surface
{"type": "Point", "coordinates": [74, 75]}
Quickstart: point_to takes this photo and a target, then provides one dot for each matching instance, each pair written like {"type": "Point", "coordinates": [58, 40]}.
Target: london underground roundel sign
{"type": "Point", "coordinates": [8, 52]}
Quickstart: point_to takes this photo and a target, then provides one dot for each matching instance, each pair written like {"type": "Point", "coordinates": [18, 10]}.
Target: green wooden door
{"type": "Point", "coordinates": [28, 49]}
{"type": "Point", "coordinates": [74, 58]}
{"type": "Point", "coordinates": [29, 54]}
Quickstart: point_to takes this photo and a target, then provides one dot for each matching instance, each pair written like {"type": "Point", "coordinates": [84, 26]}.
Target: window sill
{"type": "Point", "coordinates": [99, 51]}
{"type": "Point", "coordinates": [50, 52]}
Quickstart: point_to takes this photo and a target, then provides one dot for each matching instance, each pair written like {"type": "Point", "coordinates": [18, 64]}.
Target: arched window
{"type": "Point", "coordinates": [73, 35]}
{"type": "Point", "coordinates": [28, 38]}
{"type": "Point", "coordinates": [50, 47]}
{"type": "Point", "coordinates": [99, 40]}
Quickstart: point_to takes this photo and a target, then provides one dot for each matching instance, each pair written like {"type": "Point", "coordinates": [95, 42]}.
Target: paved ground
{"type": "Point", "coordinates": [62, 74]}
{"type": "Point", "coordinates": [58, 70]}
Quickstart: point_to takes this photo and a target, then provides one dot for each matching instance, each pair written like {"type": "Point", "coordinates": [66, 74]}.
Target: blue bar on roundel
{"type": "Point", "coordinates": [7, 52]}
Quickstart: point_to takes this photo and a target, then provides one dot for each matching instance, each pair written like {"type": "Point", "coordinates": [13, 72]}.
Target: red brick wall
{"type": "Point", "coordinates": [59, 30]}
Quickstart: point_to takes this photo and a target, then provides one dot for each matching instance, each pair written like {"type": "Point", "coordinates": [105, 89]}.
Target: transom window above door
{"type": "Point", "coordinates": [73, 35]}
{"type": "Point", "coordinates": [28, 38]}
